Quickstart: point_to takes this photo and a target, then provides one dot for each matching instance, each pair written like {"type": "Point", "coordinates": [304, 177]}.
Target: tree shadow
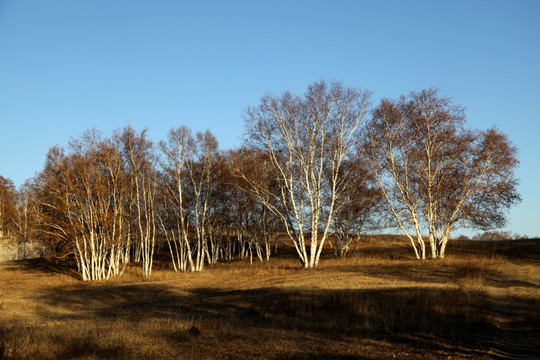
{"type": "Point", "coordinates": [427, 318]}
{"type": "Point", "coordinates": [504, 283]}
{"type": "Point", "coordinates": [64, 266]}
{"type": "Point", "coordinates": [397, 271]}
{"type": "Point", "coordinates": [520, 250]}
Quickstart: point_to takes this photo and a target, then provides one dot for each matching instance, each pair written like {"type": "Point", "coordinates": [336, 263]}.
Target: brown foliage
{"type": "Point", "coordinates": [8, 206]}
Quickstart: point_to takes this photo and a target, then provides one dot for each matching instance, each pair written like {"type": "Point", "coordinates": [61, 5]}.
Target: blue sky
{"type": "Point", "coordinates": [66, 66]}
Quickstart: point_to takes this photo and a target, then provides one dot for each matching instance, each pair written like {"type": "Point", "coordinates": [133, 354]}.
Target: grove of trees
{"type": "Point", "coordinates": [436, 174]}
{"type": "Point", "coordinates": [322, 167]}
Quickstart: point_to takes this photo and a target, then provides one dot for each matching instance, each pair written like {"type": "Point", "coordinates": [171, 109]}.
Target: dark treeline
{"type": "Point", "coordinates": [317, 168]}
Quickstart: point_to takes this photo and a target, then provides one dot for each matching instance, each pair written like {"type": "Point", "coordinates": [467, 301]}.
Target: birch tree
{"type": "Point", "coordinates": [139, 159]}
{"type": "Point", "coordinates": [190, 167]}
{"type": "Point", "coordinates": [201, 173]}
{"type": "Point", "coordinates": [221, 224]}
{"type": "Point", "coordinates": [79, 196]}
{"type": "Point", "coordinates": [256, 225]}
{"type": "Point", "coordinates": [52, 225]}
{"type": "Point", "coordinates": [307, 138]}
{"type": "Point", "coordinates": [357, 209]}
{"type": "Point", "coordinates": [176, 153]}
{"type": "Point", "coordinates": [434, 174]}
{"type": "Point", "coordinates": [25, 220]}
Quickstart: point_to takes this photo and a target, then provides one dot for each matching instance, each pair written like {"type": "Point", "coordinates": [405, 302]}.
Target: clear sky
{"type": "Point", "coordinates": [66, 66]}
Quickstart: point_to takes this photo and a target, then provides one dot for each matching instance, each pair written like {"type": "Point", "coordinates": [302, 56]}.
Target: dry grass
{"type": "Point", "coordinates": [482, 301]}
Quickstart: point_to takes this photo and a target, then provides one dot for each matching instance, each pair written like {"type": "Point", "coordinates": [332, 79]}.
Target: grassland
{"type": "Point", "coordinates": [481, 302]}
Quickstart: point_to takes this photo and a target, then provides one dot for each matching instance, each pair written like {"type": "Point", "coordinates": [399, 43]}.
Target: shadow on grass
{"type": "Point", "coordinates": [65, 266]}
{"type": "Point", "coordinates": [426, 318]}
{"type": "Point", "coordinates": [502, 283]}
{"type": "Point", "coordinates": [521, 250]}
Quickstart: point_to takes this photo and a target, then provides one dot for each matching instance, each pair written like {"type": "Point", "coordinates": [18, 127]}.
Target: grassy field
{"type": "Point", "coordinates": [481, 302]}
